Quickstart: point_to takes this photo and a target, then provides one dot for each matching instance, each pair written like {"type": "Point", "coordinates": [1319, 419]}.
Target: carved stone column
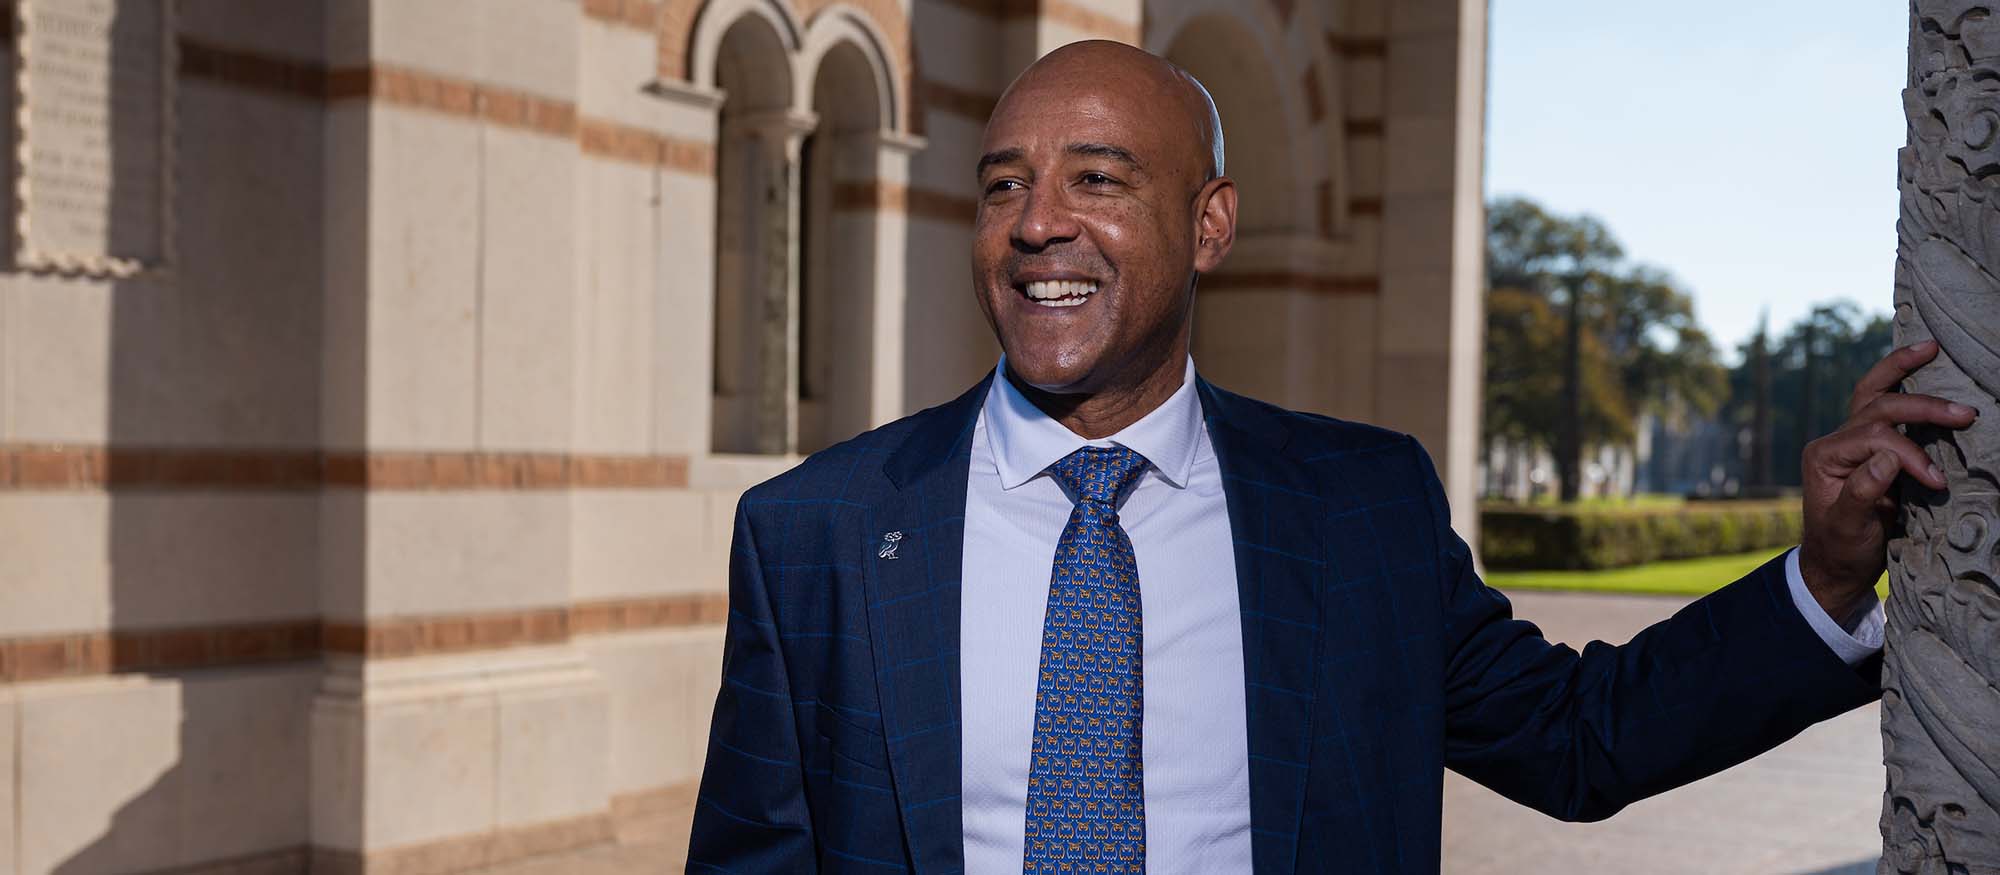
{"type": "Point", "coordinates": [1940, 708]}
{"type": "Point", "coordinates": [779, 137]}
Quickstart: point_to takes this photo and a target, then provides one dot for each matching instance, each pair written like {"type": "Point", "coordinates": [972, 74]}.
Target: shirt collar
{"type": "Point", "coordinates": [1025, 441]}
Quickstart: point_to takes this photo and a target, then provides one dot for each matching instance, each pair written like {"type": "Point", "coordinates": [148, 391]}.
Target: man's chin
{"type": "Point", "coordinates": [1055, 374]}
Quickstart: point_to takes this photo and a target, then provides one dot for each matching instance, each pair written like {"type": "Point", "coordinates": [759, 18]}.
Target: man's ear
{"type": "Point", "coordinates": [1215, 223]}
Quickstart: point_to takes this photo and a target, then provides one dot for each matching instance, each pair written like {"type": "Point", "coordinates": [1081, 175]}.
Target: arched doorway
{"type": "Point", "coordinates": [1244, 313]}
{"type": "Point", "coordinates": [755, 227]}
{"type": "Point", "coordinates": [838, 251]}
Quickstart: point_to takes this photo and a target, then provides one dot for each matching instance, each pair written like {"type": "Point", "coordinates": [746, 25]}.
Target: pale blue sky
{"type": "Point", "coordinates": [1747, 147]}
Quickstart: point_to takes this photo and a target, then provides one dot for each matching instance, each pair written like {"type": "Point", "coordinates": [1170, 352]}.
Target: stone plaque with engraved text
{"type": "Point", "coordinates": [94, 127]}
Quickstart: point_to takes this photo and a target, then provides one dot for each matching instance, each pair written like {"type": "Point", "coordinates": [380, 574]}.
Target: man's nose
{"type": "Point", "coordinates": [1046, 220]}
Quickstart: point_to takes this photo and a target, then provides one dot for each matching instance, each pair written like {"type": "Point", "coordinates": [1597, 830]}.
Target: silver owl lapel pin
{"type": "Point", "coordinates": [890, 540]}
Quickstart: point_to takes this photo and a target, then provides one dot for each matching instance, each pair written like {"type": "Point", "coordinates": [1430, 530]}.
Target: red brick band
{"type": "Point", "coordinates": [957, 101]}
{"type": "Point", "coordinates": [65, 467]}
{"type": "Point", "coordinates": [409, 88]}
{"type": "Point", "coordinates": [1279, 281]}
{"type": "Point", "coordinates": [86, 654]}
{"type": "Point", "coordinates": [1356, 47]}
{"type": "Point", "coordinates": [635, 14]}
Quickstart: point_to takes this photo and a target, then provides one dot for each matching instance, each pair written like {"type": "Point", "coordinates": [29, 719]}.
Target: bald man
{"type": "Point", "coordinates": [1100, 616]}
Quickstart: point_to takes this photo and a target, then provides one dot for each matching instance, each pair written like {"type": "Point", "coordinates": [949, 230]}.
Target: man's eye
{"type": "Point", "coordinates": [1095, 178]}
{"type": "Point", "coordinates": [1002, 185]}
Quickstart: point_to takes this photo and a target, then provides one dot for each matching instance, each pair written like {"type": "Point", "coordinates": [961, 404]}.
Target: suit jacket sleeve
{"type": "Point", "coordinates": [1580, 736]}
{"type": "Point", "coordinates": [751, 814]}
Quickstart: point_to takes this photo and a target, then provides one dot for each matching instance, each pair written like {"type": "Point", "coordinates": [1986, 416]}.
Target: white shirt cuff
{"type": "Point", "coordinates": [1852, 645]}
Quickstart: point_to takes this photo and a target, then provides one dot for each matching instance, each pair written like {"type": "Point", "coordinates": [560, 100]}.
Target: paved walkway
{"type": "Point", "coordinates": [1806, 808]}
{"type": "Point", "coordinates": [1809, 806]}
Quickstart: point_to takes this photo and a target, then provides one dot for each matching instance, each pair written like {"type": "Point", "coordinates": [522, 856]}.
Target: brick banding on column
{"type": "Point", "coordinates": [86, 654]}
{"type": "Point", "coordinates": [610, 140]}
{"type": "Point", "coordinates": [46, 467]}
{"type": "Point", "coordinates": [1278, 281]}
{"type": "Point", "coordinates": [1356, 47]}
{"type": "Point", "coordinates": [637, 14]}
{"type": "Point", "coordinates": [420, 89]}
{"type": "Point", "coordinates": [943, 206]}
{"type": "Point", "coordinates": [252, 71]}
{"type": "Point", "coordinates": [431, 92]}
{"type": "Point", "coordinates": [961, 102]}
{"type": "Point", "coordinates": [1364, 127]}
{"type": "Point", "coordinates": [871, 195]}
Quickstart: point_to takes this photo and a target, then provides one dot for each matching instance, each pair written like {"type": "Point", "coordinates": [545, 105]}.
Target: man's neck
{"type": "Point", "coordinates": [1104, 413]}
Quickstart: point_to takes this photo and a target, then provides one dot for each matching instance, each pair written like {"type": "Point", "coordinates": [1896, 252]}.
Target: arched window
{"type": "Point", "coordinates": [838, 251]}
{"type": "Point", "coordinates": [755, 244]}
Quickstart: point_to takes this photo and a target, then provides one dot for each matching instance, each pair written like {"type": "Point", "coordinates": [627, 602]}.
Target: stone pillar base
{"type": "Point", "coordinates": [445, 763]}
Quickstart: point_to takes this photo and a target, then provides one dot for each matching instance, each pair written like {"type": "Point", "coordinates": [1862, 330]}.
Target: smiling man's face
{"type": "Point", "coordinates": [1094, 218]}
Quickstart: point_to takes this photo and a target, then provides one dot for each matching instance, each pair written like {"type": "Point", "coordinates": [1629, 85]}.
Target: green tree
{"type": "Point", "coordinates": [1814, 366]}
{"type": "Point", "coordinates": [1579, 342]}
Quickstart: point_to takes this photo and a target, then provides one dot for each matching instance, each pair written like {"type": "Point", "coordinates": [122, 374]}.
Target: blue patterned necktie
{"type": "Point", "coordinates": [1086, 791]}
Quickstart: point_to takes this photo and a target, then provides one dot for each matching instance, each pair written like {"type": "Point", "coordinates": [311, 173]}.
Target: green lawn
{"type": "Point", "coordinates": [1638, 501]}
{"type": "Point", "coordinates": [1687, 577]}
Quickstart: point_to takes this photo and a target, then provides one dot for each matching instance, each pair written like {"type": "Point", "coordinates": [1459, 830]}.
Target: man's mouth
{"type": "Point", "coordinates": [1059, 293]}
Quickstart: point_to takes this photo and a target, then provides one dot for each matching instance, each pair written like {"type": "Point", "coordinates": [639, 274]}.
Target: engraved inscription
{"type": "Point", "coordinates": [95, 143]}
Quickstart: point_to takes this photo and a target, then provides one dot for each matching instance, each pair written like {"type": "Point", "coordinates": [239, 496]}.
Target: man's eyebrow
{"type": "Point", "coordinates": [1001, 156]}
{"type": "Point", "coordinates": [1104, 150]}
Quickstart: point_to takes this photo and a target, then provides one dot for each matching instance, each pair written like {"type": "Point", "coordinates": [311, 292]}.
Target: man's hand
{"type": "Point", "coordinates": [1848, 510]}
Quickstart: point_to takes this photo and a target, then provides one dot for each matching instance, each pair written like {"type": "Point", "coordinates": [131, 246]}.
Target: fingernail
{"type": "Point", "coordinates": [1883, 468]}
{"type": "Point", "coordinates": [1936, 475]}
{"type": "Point", "coordinates": [1923, 344]}
{"type": "Point", "coordinates": [1962, 410]}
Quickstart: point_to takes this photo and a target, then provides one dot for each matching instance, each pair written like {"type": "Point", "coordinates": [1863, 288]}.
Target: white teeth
{"type": "Point", "coordinates": [1060, 293]}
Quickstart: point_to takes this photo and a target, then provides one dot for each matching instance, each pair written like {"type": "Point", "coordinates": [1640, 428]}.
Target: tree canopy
{"type": "Point", "coordinates": [1809, 392]}
{"type": "Point", "coordinates": [1639, 345]}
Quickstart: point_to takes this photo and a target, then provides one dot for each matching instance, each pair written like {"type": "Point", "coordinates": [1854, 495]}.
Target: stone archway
{"type": "Point", "coordinates": [1238, 334]}
{"type": "Point", "coordinates": [838, 250]}
{"type": "Point", "coordinates": [756, 223]}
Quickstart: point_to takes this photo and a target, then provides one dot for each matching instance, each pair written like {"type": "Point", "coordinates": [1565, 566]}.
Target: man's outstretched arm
{"type": "Point", "coordinates": [1579, 736]}
{"type": "Point", "coordinates": [751, 814]}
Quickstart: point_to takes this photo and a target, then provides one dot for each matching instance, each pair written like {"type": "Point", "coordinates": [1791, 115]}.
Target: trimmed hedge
{"type": "Point", "coordinates": [1536, 538]}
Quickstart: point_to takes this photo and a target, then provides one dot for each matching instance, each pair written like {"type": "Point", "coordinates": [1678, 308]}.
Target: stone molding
{"type": "Point", "coordinates": [30, 658]}
{"type": "Point", "coordinates": [53, 467]}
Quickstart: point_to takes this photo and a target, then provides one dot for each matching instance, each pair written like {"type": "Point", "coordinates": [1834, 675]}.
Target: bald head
{"type": "Point", "coordinates": [1102, 199]}
{"type": "Point", "coordinates": [1144, 83]}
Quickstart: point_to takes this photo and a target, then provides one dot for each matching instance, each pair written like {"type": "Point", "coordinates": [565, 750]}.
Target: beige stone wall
{"type": "Point", "coordinates": [386, 530]}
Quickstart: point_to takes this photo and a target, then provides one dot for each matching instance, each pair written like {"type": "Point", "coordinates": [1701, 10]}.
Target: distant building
{"type": "Point", "coordinates": [377, 379]}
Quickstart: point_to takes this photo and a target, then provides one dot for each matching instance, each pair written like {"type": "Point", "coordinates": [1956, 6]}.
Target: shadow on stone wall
{"type": "Point", "coordinates": [220, 351]}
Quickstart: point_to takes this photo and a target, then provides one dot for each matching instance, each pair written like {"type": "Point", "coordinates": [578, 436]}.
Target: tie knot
{"type": "Point", "coordinates": [1098, 475]}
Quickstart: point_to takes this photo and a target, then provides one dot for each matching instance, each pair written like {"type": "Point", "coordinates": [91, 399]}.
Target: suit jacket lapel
{"type": "Point", "coordinates": [1275, 513]}
{"type": "Point", "coordinates": [916, 540]}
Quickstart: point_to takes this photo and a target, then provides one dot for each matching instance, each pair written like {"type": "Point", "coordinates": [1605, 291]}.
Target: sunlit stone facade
{"type": "Point", "coordinates": [377, 516]}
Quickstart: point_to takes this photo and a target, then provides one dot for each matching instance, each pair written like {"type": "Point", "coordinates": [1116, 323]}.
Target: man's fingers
{"type": "Point", "coordinates": [1899, 409]}
{"type": "Point", "coordinates": [1871, 481]}
{"type": "Point", "coordinates": [1853, 452]}
{"type": "Point", "coordinates": [1890, 371]}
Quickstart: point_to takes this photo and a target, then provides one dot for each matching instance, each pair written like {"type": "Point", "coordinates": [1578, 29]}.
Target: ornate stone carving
{"type": "Point", "coordinates": [1940, 708]}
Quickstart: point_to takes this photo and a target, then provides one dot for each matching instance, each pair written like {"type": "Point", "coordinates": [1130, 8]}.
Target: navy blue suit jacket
{"type": "Point", "coordinates": [1374, 659]}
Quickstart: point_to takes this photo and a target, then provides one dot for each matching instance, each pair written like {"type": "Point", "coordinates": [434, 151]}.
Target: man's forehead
{"type": "Point", "coordinates": [1063, 122]}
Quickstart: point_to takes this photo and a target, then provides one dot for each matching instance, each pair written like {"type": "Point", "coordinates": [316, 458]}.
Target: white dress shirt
{"type": "Point", "coordinates": [1195, 737]}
